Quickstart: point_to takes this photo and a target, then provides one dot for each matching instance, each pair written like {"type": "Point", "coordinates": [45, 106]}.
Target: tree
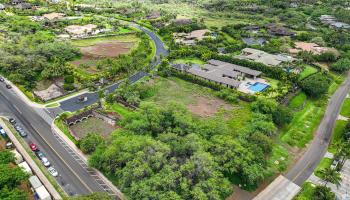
{"type": "Point", "coordinates": [327, 56]}
{"type": "Point", "coordinates": [316, 85]}
{"type": "Point", "coordinates": [89, 143]}
{"type": "Point", "coordinates": [11, 176]}
{"type": "Point", "coordinates": [8, 194]}
{"type": "Point", "coordinates": [322, 193]}
{"type": "Point", "coordinates": [6, 157]}
{"type": "Point", "coordinates": [341, 65]}
{"type": "Point", "coordinates": [330, 175]}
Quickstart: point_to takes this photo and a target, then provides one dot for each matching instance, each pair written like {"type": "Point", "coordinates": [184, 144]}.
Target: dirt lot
{"type": "Point", "coordinates": [97, 48]}
{"type": "Point", "coordinates": [92, 125]}
{"type": "Point", "coordinates": [199, 100]}
{"type": "Point", "coordinates": [205, 107]}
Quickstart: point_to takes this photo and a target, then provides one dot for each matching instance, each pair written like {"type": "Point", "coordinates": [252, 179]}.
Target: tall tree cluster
{"type": "Point", "coordinates": [166, 153]}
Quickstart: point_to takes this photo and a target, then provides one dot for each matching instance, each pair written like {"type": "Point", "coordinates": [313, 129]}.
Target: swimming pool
{"type": "Point", "coordinates": [258, 87]}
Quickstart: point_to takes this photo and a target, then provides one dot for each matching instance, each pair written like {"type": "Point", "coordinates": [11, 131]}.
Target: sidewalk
{"type": "Point", "coordinates": [280, 189]}
{"type": "Point", "coordinates": [29, 102]}
{"type": "Point", "coordinates": [31, 162]}
{"type": "Point", "coordinates": [71, 144]}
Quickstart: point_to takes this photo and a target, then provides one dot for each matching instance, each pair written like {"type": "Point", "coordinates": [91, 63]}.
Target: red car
{"type": "Point", "coordinates": [33, 147]}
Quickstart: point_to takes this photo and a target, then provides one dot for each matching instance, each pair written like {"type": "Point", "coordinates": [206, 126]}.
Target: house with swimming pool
{"type": "Point", "coordinates": [226, 74]}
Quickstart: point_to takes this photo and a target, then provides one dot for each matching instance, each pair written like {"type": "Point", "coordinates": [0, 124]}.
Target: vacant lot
{"type": "Point", "coordinates": [199, 100]}
{"type": "Point", "coordinates": [92, 125]}
{"type": "Point", "coordinates": [95, 49]}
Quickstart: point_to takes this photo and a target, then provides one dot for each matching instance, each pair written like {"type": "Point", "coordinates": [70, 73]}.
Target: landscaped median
{"type": "Point", "coordinates": [50, 184]}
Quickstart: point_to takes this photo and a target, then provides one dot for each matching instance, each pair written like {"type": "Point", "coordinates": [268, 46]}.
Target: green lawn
{"type": "Point", "coordinates": [298, 101]}
{"type": "Point", "coordinates": [301, 130]}
{"type": "Point", "coordinates": [325, 163]}
{"type": "Point", "coordinates": [173, 89]}
{"type": "Point", "coordinates": [120, 110]}
{"type": "Point", "coordinates": [307, 71]}
{"type": "Point", "coordinates": [93, 41]}
{"type": "Point", "coordinates": [306, 192]}
{"type": "Point", "coordinates": [279, 158]}
{"type": "Point", "coordinates": [345, 110]}
{"type": "Point", "coordinates": [189, 61]}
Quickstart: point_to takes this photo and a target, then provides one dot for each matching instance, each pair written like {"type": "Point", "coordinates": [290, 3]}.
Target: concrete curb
{"type": "Point", "coordinates": [71, 144]}
{"type": "Point", "coordinates": [31, 162]}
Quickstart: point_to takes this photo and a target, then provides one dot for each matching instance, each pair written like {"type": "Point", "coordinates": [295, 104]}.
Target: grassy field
{"type": "Point", "coordinates": [337, 134]}
{"type": "Point", "coordinates": [306, 192]}
{"type": "Point", "coordinates": [301, 130]}
{"type": "Point", "coordinates": [93, 41]}
{"type": "Point", "coordinates": [120, 110]}
{"type": "Point", "coordinates": [92, 125]}
{"type": "Point", "coordinates": [307, 71]}
{"type": "Point", "coordinates": [189, 61]}
{"type": "Point", "coordinates": [199, 100]}
{"type": "Point", "coordinates": [279, 159]}
{"type": "Point", "coordinates": [325, 163]}
{"type": "Point", "coordinates": [345, 110]}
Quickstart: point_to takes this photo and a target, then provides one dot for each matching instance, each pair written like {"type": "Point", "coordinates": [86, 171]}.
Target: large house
{"type": "Point", "coordinates": [192, 37]}
{"type": "Point", "coordinates": [310, 47]}
{"type": "Point", "coordinates": [53, 16]}
{"type": "Point", "coordinates": [278, 30]}
{"type": "Point", "coordinates": [222, 73]}
{"type": "Point", "coordinates": [263, 57]}
{"type": "Point", "coordinates": [333, 22]}
{"type": "Point", "coordinates": [80, 31]}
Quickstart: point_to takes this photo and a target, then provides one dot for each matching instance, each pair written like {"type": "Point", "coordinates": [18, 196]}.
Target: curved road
{"type": "Point", "coordinates": [72, 104]}
{"type": "Point", "coordinates": [305, 166]}
{"type": "Point", "coordinates": [75, 176]}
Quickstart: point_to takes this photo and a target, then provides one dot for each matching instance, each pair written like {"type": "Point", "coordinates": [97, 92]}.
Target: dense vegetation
{"type": "Point", "coordinates": [11, 177]}
{"type": "Point", "coordinates": [166, 153]}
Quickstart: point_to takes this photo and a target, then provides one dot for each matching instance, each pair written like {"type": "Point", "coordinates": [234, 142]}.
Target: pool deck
{"type": "Point", "coordinates": [244, 87]}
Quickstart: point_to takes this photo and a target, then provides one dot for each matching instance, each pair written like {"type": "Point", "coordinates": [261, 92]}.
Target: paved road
{"type": "Point", "coordinates": [74, 177]}
{"type": "Point", "coordinates": [302, 170]}
{"type": "Point", "coordinates": [73, 103]}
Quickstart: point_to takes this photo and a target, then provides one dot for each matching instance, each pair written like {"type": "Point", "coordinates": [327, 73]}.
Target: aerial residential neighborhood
{"type": "Point", "coordinates": [202, 100]}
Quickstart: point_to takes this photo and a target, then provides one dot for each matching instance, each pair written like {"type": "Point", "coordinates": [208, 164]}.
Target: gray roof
{"type": "Point", "coordinates": [254, 41]}
{"type": "Point", "coordinates": [234, 67]}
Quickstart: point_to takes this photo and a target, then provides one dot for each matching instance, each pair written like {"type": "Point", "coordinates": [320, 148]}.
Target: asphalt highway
{"type": "Point", "coordinates": [73, 178]}
{"type": "Point", "coordinates": [305, 166]}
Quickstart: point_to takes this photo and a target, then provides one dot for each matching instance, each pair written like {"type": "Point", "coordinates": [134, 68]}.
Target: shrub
{"type": "Point", "coordinates": [68, 87]}
{"type": "Point", "coordinates": [316, 85]}
{"type": "Point", "coordinates": [341, 65]}
{"type": "Point", "coordinates": [69, 79]}
{"type": "Point", "coordinates": [89, 143]}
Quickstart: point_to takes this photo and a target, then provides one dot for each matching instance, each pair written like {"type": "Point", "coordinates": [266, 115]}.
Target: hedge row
{"type": "Point", "coordinates": [272, 72]}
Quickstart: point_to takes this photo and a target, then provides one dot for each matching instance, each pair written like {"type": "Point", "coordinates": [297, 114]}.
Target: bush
{"type": "Point", "coordinates": [69, 79]}
{"type": "Point", "coordinates": [316, 85]}
{"type": "Point", "coordinates": [68, 87]}
{"type": "Point", "coordinates": [89, 143]}
{"type": "Point", "coordinates": [341, 65]}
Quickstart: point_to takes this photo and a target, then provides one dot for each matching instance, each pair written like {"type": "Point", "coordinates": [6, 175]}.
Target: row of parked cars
{"type": "Point", "coordinates": [34, 148]}
{"type": "Point", "coordinates": [8, 86]}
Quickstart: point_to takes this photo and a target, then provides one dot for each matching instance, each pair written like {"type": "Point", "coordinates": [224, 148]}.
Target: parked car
{"type": "Point", "coordinates": [12, 121]}
{"type": "Point", "coordinates": [9, 145]}
{"type": "Point", "coordinates": [2, 79]}
{"type": "Point", "coordinates": [22, 133]}
{"type": "Point", "coordinates": [2, 132]}
{"type": "Point", "coordinates": [8, 86]}
{"type": "Point", "coordinates": [52, 171]}
{"type": "Point", "coordinates": [40, 154]}
{"type": "Point", "coordinates": [45, 161]}
{"type": "Point", "coordinates": [33, 147]}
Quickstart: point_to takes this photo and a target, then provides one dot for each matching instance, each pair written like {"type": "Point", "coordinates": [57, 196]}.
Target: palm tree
{"type": "Point", "coordinates": [330, 175]}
